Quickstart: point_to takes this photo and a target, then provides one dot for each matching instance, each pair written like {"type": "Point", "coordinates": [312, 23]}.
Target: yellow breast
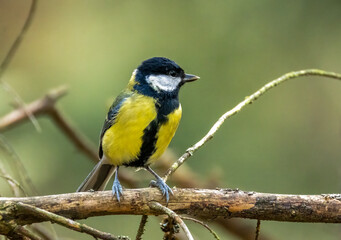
{"type": "Point", "coordinates": [122, 142]}
{"type": "Point", "coordinates": [166, 133]}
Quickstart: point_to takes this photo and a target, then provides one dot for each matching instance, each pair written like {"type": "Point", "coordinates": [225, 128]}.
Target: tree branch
{"type": "Point", "coordinates": [202, 203]}
{"type": "Point", "coordinates": [46, 105]}
{"type": "Point", "coordinates": [37, 107]}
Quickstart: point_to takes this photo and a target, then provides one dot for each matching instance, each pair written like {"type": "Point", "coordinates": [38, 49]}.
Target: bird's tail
{"type": "Point", "coordinates": [98, 177]}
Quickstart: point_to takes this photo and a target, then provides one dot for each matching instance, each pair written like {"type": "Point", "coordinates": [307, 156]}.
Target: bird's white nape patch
{"type": "Point", "coordinates": [163, 82]}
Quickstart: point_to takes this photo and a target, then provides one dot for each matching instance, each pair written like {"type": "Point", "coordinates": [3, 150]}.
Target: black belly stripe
{"type": "Point", "coordinates": [149, 137]}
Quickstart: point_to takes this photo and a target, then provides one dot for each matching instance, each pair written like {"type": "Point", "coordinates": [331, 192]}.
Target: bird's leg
{"type": "Point", "coordinates": [116, 187]}
{"type": "Point", "coordinates": [160, 184]}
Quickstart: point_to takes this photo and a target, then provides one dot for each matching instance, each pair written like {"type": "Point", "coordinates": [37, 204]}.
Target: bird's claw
{"type": "Point", "coordinates": [164, 188]}
{"type": "Point", "coordinates": [117, 189]}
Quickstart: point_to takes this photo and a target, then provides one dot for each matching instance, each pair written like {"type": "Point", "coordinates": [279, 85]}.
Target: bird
{"type": "Point", "coordinates": [140, 124]}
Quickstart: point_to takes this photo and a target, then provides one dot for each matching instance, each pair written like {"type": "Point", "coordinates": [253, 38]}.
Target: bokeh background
{"type": "Point", "coordinates": [288, 141]}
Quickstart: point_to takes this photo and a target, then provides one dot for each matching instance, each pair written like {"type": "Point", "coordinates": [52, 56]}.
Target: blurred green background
{"type": "Point", "coordinates": [288, 141]}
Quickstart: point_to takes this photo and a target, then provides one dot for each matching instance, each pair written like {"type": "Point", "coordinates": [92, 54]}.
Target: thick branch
{"type": "Point", "coordinates": [202, 203]}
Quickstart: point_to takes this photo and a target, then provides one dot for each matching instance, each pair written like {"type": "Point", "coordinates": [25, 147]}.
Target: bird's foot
{"type": "Point", "coordinates": [117, 189]}
{"type": "Point", "coordinates": [164, 188]}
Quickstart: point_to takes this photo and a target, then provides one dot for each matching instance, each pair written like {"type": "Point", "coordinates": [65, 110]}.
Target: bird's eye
{"type": "Point", "coordinates": [172, 73]}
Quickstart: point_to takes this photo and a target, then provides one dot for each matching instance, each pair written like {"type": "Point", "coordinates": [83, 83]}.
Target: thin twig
{"type": "Point", "coordinates": [257, 229]}
{"type": "Point", "coordinates": [9, 58]}
{"type": "Point", "coordinates": [141, 229]}
{"type": "Point", "coordinates": [158, 207]}
{"type": "Point", "coordinates": [66, 222]}
{"type": "Point", "coordinates": [248, 100]}
{"type": "Point", "coordinates": [75, 136]}
{"type": "Point", "coordinates": [215, 235]}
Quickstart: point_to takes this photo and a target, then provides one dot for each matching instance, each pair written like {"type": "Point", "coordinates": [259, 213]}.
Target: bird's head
{"type": "Point", "coordinates": [159, 76]}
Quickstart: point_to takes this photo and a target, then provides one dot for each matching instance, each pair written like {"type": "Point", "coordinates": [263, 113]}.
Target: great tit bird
{"type": "Point", "coordinates": [140, 124]}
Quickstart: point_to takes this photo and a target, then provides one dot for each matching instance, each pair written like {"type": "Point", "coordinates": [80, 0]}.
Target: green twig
{"type": "Point", "coordinates": [248, 100]}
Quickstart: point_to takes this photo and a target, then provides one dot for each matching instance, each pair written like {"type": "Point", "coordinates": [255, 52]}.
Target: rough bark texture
{"type": "Point", "coordinates": [204, 203]}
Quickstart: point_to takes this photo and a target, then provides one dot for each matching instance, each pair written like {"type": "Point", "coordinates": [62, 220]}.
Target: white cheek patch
{"type": "Point", "coordinates": [163, 82]}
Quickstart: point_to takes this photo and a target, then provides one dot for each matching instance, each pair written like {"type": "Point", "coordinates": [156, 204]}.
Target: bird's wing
{"type": "Point", "coordinates": [111, 116]}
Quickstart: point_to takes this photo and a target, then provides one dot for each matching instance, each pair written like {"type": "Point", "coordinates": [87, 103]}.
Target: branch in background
{"type": "Point", "coordinates": [202, 203]}
{"type": "Point", "coordinates": [162, 209]}
{"type": "Point", "coordinates": [46, 105]}
{"type": "Point", "coordinates": [37, 107]}
{"type": "Point", "coordinates": [9, 58]}
{"type": "Point", "coordinates": [248, 100]}
{"type": "Point", "coordinates": [76, 137]}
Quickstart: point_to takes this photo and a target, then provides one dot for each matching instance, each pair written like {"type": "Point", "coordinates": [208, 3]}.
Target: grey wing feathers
{"type": "Point", "coordinates": [111, 116]}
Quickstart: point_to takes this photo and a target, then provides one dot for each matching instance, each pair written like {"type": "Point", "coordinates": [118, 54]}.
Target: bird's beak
{"type": "Point", "coordinates": [190, 78]}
